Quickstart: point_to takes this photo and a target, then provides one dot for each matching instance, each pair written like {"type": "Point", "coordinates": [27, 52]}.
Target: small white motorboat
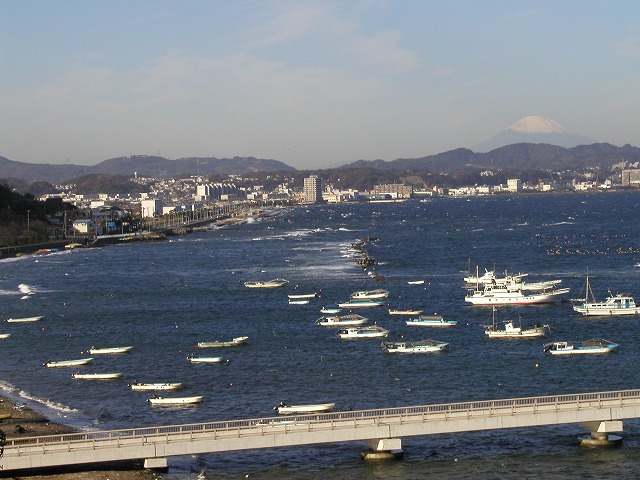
{"type": "Point", "coordinates": [370, 294]}
{"type": "Point", "coordinates": [404, 312]}
{"type": "Point", "coordinates": [434, 320]}
{"type": "Point", "coordinates": [138, 386]}
{"type": "Point", "coordinates": [301, 296]}
{"type": "Point", "coordinates": [595, 345]}
{"type": "Point", "coordinates": [275, 283]}
{"type": "Point", "coordinates": [330, 310]}
{"type": "Point", "coordinates": [372, 331]}
{"type": "Point", "coordinates": [68, 363]}
{"type": "Point", "coordinates": [109, 350]}
{"type": "Point", "coordinates": [352, 319]}
{"type": "Point", "coordinates": [420, 346]}
{"type": "Point", "coordinates": [175, 400]}
{"type": "Point", "coordinates": [25, 319]}
{"type": "Point", "coordinates": [97, 376]}
{"type": "Point", "coordinates": [193, 359]}
{"type": "Point", "coordinates": [416, 282]}
{"type": "Point", "coordinates": [231, 343]}
{"type": "Point", "coordinates": [4, 335]}
{"type": "Point", "coordinates": [284, 409]}
{"type": "Point", "coordinates": [298, 302]}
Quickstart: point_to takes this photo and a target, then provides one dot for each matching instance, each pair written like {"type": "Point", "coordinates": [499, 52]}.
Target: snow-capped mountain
{"type": "Point", "coordinates": [534, 129]}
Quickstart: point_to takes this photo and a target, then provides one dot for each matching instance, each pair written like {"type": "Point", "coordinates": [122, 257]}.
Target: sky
{"type": "Point", "coordinates": [313, 84]}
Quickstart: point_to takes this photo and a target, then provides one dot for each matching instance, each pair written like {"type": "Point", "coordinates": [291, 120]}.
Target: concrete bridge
{"type": "Point", "coordinates": [382, 430]}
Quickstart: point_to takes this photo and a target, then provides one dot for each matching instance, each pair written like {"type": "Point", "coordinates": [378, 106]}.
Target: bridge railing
{"type": "Point", "coordinates": [345, 419]}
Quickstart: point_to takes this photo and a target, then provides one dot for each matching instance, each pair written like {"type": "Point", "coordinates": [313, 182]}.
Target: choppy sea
{"type": "Point", "coordinates": [162, 298]}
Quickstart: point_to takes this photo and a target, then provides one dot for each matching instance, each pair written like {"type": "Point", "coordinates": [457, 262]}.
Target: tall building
{"type": "Point", "coordinates": [312, 189]}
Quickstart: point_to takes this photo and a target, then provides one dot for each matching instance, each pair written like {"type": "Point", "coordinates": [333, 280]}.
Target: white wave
{"type": "Point", "coordinates": [557, 223]}
{"type": "Point", "coordinates": [46, 402]}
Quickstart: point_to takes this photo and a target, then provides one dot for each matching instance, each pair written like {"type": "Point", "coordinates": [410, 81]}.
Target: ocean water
{"type": "Point", "coordinates": [162, 298]}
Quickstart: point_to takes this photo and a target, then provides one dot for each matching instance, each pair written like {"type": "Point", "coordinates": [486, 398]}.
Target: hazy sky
{"type": "Point", "coordinates": [312, 84]}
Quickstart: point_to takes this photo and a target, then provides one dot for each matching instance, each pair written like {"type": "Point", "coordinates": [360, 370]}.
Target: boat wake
{"type": "Point", "coordinates": [26, 289]}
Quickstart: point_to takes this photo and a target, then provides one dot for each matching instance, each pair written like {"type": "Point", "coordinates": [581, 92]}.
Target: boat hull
{"type": "Point", "coordinates": [154, 386]}
{"type": "Point", "coordinates": [175, 400]}
{"type": "Point", "coordinates": [109, 351]}
{"type": "Point", "coordinates": [97, 376]}
{"type": "Point", "coordinates": [304, 409]}
{"type": "Point", "coordinates": [68, 363]}
{"type": "Point", "coordinates": [25, 319]}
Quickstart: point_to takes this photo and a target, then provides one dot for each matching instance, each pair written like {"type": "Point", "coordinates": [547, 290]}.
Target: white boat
{"type": "Point", "coordinates": [175, 400]}
{"type": "Point", "coordinates": [595, 345]}
{"type": "Point", "coordinates": [420, 346]}
{"type": "Point", "coordinates": [284, 409]}
{"type": "Point", "coordinates": [416, 282]}
{"type": "Point", "coordinates": [369, 294]}
{"type": "Point", "coordinates": [5, 335]}
{"type": "Point", "coordinates": [330, 310]}
{"type": "Point", "coordinates": [372, 331]}
{"type": "Point", "coordinates": [618, 304]}
{"type": "Point", "coordinates": [511, 331]}
{"type": "Point", "coordinates": [434, 320]}
{"type": "Point", "coordinates": [489, 278]}
{"type": "Point", "coordinates": [512, 295]}
{"type": "Point", "coordinates": [231, 343]}
{"type": "Point", "coordinates": [361, 304]}
{"type": "Point", "coordinates": [299, 302]}
{"type": "Point", "coordinates": [25, 319]}
{"type": "Point", "coordinates": [405, 312]}
{"type": "Point", "coordinates": [138, 386]}
{"type": "Point", "coordinates": [109, 350]}
{"type": "Point", "coordinates": [352, 319]}
{"type": "Point", "coordinates": [301, 296]}
{"type": "Point", "coordinates": [97, 376]}
{"type": "Point", "coordinates": [275, 283]}
{"type": "Point", "coordinates": [68, 363]}
{"type": "Point", "coordinates": [193, 359]}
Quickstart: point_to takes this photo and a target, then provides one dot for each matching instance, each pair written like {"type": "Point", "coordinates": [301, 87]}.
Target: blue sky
{"type": "Point", "coordinates": [311, 84]}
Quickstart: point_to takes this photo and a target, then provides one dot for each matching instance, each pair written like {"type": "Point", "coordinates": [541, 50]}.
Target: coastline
{"type": "Point", "coordinates": [21, 421]}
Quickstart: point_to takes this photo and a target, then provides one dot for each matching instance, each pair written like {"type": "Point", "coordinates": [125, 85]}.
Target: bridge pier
{"type": "Point", "coordinates": [600, 436]}
{"type": "Point", "coordinates": [156, 463]}
{"type": "Point", "coordinates": [383, 449]}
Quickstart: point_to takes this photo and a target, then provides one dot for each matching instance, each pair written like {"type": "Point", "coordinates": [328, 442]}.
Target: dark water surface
{"type": "Point", "coordinates": [164, 297]}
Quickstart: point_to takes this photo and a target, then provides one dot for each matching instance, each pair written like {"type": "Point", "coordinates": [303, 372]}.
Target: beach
{"type": "Point", "coordinates": [21, 421]}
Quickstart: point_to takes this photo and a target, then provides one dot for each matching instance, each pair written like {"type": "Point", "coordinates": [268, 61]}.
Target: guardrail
{"type": "Point", "coordinates": [324, 421]}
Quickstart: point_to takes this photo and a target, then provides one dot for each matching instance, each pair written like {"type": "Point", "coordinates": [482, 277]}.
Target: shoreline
{"type": "Point", "coordinates": [22, 421]}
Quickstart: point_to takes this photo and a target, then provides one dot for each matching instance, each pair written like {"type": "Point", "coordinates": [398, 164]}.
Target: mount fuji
{"type": "Point", "coordinates": [534, 129]}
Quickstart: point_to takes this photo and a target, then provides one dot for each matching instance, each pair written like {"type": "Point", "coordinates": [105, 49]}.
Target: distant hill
{"type": "Point", "coordinates": [144, 165]}
{"type": "Point", "coordinates": [521, 156]}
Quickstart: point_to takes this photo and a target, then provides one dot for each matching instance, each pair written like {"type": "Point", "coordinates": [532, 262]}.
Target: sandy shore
{"type": "Point", "coordinates": [22, 421]}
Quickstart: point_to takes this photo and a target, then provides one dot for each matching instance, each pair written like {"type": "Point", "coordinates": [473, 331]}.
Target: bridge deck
{"type": "Point", "coordinates": [161, 442]}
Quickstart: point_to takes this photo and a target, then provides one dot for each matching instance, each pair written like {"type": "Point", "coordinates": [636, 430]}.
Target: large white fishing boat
{"type": "Point", "coordinates": [618, 304]}
{"type": "Point", "coordinates": [512, 295]}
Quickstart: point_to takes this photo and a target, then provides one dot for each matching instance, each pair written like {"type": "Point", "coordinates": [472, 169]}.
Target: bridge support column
{"type": "Point", "coordinates": [156, 463]}
{"type": "Point", "coordinates": [383, 449]}
{"type": "Point", "coordinates": [600, 436]}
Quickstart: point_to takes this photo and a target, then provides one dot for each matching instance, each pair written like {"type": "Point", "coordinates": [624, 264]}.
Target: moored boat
{"type": "Point", "coordinates": [193, 359]}
{"type": "Point", "coordinates": [371, 331]}
{"type": "Point", "coordinates": [360, 304]}
{"type": "Point", "coordinates": [512, 295]}
{"type": "Point", "coordinates": [415, 282]}
{"type": "Point", "coordinates": [614, 305]}
{"type": "Point", "coordinates": [370, 294]}
{"type": "Point", "coordinates": [330, 310]}
{"type": "Point", "coordinates": [419, 346]}
{"type": "Point", "coordinates": [405, 312]}
{"type": "Point", "coordinates": [231, 343]}
{"type": "Point", "coordinates": [284, 409]}
{"type": "Point", "coordinates": [274, 283]}
{"type": "Point", "coordinates": [352, 319]}
{"type": "Point", "coordinates": [25, 319]}
{"type": "Point", "coordinates": [4, 335]}
{"type": "Point", "coordinates": [175, 400]}
{"type": "Point", "coordinates": [68, 363]}
{"type": "Point", "coordinates": [97, 376]}
{"type": "Point", "coordinates": [511, 331]}
{"type": "Point", "coordinates": [303, 301]}
{"type": "Point", "coordinates": [434, 320]}
{"type": "Point", "coordinates": [138, 386]}
{"type": "Point", "coordinates": [301, 296]}
{"type": "Point", "coordinates": [595, 345]}
{"type": "Point", "coordinates": [109, 350]}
